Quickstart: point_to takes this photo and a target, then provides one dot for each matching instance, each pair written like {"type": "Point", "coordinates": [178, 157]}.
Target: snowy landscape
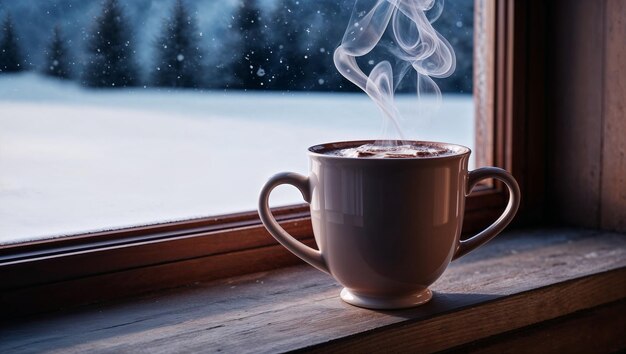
{"type": "Point", "coordinates": [74, 160]}
{"type": "Point", "coordinates": [118, 113]}
{"type": "Point", "coordinates": [208, 44]}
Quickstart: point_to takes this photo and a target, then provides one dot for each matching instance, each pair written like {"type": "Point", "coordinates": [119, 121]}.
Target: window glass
{"type": "Point", "coordinates": [121, 113]}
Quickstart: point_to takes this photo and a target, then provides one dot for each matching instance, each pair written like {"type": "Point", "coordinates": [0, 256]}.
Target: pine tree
{"type": "Point", "coordinates": [57, 57]}
{"type": "Point", "coordinates": [327, 25]}
{"type": "Point", "coordinates": [306, 35]}
{"type": "Point", "coordinates": [111, 62]}
{"type": "Point", "coordinates": [251, 63]}
{"type": "Point", "coordinates": [10, 58]}
{"type": "Point", "coordinates": [288, 58]}
{"type": "Point", "coordinates": [179, 62]}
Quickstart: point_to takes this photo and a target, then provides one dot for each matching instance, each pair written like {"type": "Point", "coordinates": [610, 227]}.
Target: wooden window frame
{"type": "Point", "coordinates": [76, 270]}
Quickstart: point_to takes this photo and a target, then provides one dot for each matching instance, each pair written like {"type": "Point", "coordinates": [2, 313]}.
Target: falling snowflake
{"type": "Point", "coordinates": [260, 72]}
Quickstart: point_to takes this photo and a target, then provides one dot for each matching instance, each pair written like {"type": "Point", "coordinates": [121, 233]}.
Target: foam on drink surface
{"type": "Point", "coordinates": [393, 151]}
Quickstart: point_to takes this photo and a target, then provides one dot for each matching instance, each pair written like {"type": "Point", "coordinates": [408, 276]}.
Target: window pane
{"type": "Point", "coordinates": [124, 113]}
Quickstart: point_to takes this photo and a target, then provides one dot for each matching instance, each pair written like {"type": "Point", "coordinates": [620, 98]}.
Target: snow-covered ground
{"type": "Point", "coordinates": [75, 160]}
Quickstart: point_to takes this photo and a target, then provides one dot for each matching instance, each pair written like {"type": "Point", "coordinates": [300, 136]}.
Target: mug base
{"type": "Point", "coordinates": [386, 303]}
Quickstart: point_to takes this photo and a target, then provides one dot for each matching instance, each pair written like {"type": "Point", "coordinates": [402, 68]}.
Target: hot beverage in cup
{"type": "Point", "coordinates": [387, 218]}
{"type": "Point", "coordinates": [387, 224]}
{"type": "Point", "coordinates": [391, 150]}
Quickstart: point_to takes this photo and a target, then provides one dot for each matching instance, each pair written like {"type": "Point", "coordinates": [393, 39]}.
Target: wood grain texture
{"type": "Point", "coordinates": [575, 68]}
{"type": "Point", "coordinates": [529, 131]}
{"type": "Point", "coordinates": [588, 126]}
{"type": "Point", "coordinates": [130, 282]}
{"type": "Point", "coordinates": [598, 330]}
{"type": "Point", "coordinates": [55, 268]}
{"type": "Point", "coordinates": [613, 207]}
{"type": "Point", "coordinates": [468, 324]}
{"type": "Point", "coordinates": [484, 81]}
{"type": "Point", "coordinates": [510, 283]}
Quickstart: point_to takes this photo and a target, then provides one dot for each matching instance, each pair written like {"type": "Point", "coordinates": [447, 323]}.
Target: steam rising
{"type": "Point", "coordinates": [417, 46]}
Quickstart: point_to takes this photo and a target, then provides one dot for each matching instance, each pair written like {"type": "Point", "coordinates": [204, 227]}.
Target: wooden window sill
{"type": "Point", "coordinates": [519, 281]}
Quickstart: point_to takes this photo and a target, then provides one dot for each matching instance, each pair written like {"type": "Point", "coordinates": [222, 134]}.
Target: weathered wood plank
{"type": "Point", "coordinates": [529, 133]}
{"type": "Point", "coordinates": [598, 330]}
{"type": "Point", "coordinates": [613, 207]}
{"type": "Point", "coordinates": [136, 281]}
{"type": "Point", "coordinates": [484, 42]}
{"type": "Point", "coordinates": [299, 307]}
{"type": "Point", "coordinates": [575, 62]}
{"type": "Point", "coordinates": [503, 314]}
{"type": "Point", "coordinates": [98, 261]}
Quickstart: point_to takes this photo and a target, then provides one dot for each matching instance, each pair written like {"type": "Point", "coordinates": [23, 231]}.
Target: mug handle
{"type": "Point", "coordinates": [494, 229]}
{"type": "Point", "coordinates": [306, 253]}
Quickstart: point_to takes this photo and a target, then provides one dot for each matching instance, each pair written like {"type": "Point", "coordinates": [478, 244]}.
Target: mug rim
{"type": "Point", "coordinates": [458, 150]}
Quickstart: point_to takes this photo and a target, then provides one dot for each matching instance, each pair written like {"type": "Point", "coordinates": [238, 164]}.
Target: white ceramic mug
{"type": "Point", "coordinates": [387, 228]}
